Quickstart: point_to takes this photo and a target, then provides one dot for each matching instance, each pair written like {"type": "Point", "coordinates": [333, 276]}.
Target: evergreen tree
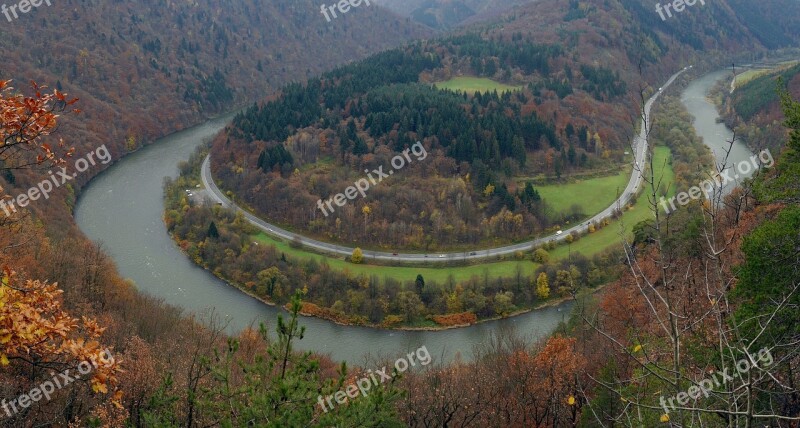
{"type": "Point", "coordinates": [285, 388]}
{"type": "Point", "coordinates": [419, 284]}
{"type": "Point", "coordinates": [769, 275]}
{"type": "Point", "coordinates": [360, 147]}
{"type": "Point", "coordinates": [212, 231]}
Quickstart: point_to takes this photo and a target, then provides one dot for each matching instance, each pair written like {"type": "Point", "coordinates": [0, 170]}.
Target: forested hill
{"type": "Point", "coordinates": [578, 69]}
{"type": "Point", "coordinates": [757, 96]}
{"type": "Point", "coordinates": [771, 24]}
{"type": "Point", "coordinates": [357, 116]}
{"type": "Point", "coordinates": [754, 108]}
{"type": "Point", "coordinates": [145, 68]}
{"type": "Point", "coordinates": [724, 24]}
{"type": "Point", "coordinates": [627, 34]}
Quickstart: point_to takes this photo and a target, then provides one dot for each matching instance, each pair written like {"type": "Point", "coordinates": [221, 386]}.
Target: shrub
{"type": "Point", "coordinates": [391, 320]}
{"type": "Point", "coordinates": [357, 257]}
{"type": "Point", "coordinates": [541, 256]}
{"type": "Point", "coordinates": [450, 320]}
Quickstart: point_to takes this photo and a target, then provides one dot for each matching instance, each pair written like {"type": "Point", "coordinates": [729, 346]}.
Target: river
{"type": "Point", "coordinates": [122, 209]}
{"type": "Point", "coordinates": [715, 135]}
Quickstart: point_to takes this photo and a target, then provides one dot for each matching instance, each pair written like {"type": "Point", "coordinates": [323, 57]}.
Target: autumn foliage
{"type": "Point", "coordinates": [38, 338]}
{"type": "Point", "coordinates": [25, 121]}
{"type": "Point", "coordinates": [310, 309]}
{"type": "Point", "coordinates": [516, 387]}
{"type": "Point", "coordinates": [34, 330]}
{"type": "Point", "coordinates": [460, 319]}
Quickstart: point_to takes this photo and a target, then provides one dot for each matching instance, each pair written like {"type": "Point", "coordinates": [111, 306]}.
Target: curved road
{"type": "Point", "coordinates": [639, 146]}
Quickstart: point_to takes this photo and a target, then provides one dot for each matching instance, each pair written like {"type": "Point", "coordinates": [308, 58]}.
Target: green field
{"type": "Point", "coordinates": [592, 194]}
{"type": "Point", "coordinates": [595, 242]}
{"type": "Point", "coordinates": [470, 85]}
{"type": "Point", "coordinates": [587, 245]}
{"type": "Point", "coordinates": [749, 75]}
{"type": "Point", "coordinates": [505, 268]}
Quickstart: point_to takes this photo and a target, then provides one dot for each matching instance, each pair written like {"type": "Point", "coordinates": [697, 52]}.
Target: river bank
{"type": "Point", "coordinates": [726, 148]}
{"type": "Point", "coordinates": [122, 208]}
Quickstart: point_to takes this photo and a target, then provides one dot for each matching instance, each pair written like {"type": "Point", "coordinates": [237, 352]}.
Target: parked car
{"type": "Point", "coordinates": [559, 232]}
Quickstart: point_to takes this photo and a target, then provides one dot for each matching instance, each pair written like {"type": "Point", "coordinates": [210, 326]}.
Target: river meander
{"type": "Point", "coordinates": [122, 209]}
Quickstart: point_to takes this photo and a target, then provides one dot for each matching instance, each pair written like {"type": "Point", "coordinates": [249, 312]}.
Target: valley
{"type": "Point", "coordinates": [394, 213]}
{"type": "Point", "coordinates": [353, 343]}
{"type": "Point", "coordinates": [209, 292]}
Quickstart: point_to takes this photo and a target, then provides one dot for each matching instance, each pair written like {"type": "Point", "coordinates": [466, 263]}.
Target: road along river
{"type": "Point", "coordinates": [640, 147]}
{"type": "Point", "coordinates": [122, 208]}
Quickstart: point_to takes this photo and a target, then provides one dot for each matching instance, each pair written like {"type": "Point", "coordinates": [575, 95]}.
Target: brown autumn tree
{"type": "Point", "coordinates": [509, 384]}
{"type": "Point", "coordinates": [25, 121]}
{"type": "Point", "coordinates": [681, 351]}
{"type": "Point", "coordinates": [38, 339]}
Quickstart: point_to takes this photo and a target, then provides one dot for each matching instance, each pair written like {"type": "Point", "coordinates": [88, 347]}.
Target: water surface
{"type": "Point", "coordinates": [716, 135]}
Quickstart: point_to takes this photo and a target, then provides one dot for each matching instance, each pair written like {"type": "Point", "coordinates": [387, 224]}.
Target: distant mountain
{"type": "Point", "coordinates": [628, 34]}
{"type": "Point", "coordinates": [444, 14]}
{"type": "Point", "coordinates": [727, 24]}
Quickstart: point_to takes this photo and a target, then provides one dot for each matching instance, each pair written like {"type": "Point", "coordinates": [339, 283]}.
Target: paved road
{"type": "Point", "coordinates": [639, 147]}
